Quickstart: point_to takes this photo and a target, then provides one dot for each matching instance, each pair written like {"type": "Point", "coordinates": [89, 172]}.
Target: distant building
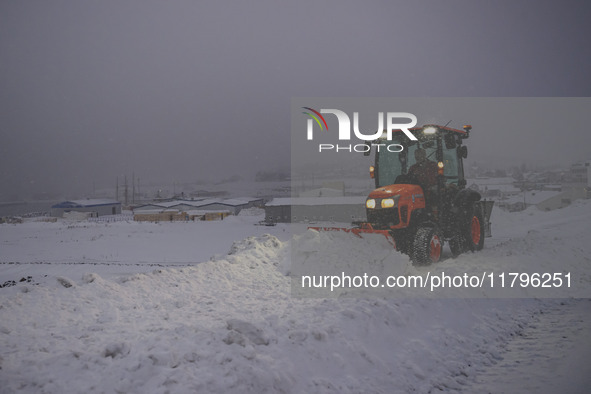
{"type": "Point", "coordinates": [174, 215]}
{"type": "Point", "coordinates": [233, 206]}
{"type": "Point", "coordinates": [578, 181]}
{"type": "Point", "coordinates": [544, 200]}
{"type": "Point", "coordinates": [495, 188]}
{"type": "Point", "coordinates": [94, 207]}
{"type": "Point", "coordinates": [580, 173]}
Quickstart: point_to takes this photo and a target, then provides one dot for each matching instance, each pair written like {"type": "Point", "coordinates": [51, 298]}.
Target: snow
{"type": "Point", "coordinates": [208, 307]}
{"type": "Point", "coordinates": [350, 200]}
{"type": "Point", "coordinates": [554, 340]}
{"type": "Point", "coordinates": [196, 203]}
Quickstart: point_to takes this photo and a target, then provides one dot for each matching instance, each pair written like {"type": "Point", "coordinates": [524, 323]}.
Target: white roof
{"type": "Point", "coordinates": [200, 203]}
{"type": "Point", "coordinates": [149, 211]}
{"type": "Point", "coordinates": [166, 204]}
{"type": "Point", "coordinates": [205, 212]}
{"type": "Point", "coordinates": [174, 203]}
{"type": "Point", "coordinates": [90, 202]}
{"type": "Point", "coordinates": [533, 197]}
{"type": "Point", "coordinates": [235, 201]}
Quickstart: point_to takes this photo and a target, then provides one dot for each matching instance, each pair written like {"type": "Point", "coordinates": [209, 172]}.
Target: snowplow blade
{"type": "Point", "coordinates": [486, 207]}
{"type": "Point", "coordinates": [364, 228]}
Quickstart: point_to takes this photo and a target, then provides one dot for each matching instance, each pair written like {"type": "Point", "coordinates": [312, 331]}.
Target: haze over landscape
{"type": "Point", "coordinates": [187, 91]}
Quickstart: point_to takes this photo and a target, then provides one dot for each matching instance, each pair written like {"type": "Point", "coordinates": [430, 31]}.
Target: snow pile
{"type": "Point", "coordinates": [44, 250]}
{"type": "Point", "coordinates": [543, 248]}
{"type": "Point", "coordinates": [336, 253]}
{"type": "Point", "coordinates": [231, 325]}
{"type": "Point", "coordinates": [177, 329]}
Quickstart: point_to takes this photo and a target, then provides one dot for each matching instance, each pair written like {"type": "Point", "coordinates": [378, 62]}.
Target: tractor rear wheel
{"type": "Point", "coordinates": [475, 232]}
{"type": "Point", "coordinates": [470, 235]}
{"type": "Point", "coordinates": [427, 246]}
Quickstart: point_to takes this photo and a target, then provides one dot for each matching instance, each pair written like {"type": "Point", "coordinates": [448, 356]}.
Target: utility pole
{"type": "Point", "coordinates": [117, 188]}
{"type": "Point", "coordinates": [126, 191]}
{"type": "Point", "coordinates": [524, 190]}
{"type": "Point", "coordinates": [133, 187]}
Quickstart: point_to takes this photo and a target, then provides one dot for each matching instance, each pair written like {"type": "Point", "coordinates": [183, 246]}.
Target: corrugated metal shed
{"type": "Point", "coordinates": [232, 205]}
{"type": "Point", "coordinates": [100, 207]}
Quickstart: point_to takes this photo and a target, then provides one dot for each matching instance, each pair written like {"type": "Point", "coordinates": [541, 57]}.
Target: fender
{"type": "Point", "coordinates": [466, 197]}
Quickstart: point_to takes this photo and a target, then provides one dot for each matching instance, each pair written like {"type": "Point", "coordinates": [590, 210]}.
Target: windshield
{"type": "Point", "coordinates": [389, 165]}
{"type": "Point", "coordinates": [392, 164]}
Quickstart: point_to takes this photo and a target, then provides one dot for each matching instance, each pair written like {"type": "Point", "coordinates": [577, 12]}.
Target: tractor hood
{"type": "Point", "coordinates": [402, 190]}
{"type": "Point", "coordinates": [392, 206]}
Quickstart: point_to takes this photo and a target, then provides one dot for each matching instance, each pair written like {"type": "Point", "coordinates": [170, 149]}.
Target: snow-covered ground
{"type": "Point", "coordinates": [207, 307]}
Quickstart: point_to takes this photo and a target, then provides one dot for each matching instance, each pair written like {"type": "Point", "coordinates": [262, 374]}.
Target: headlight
{"type": "Point", "coordinates": [371, 203]}
{"type": "Point", "coordinates": [387, 203]}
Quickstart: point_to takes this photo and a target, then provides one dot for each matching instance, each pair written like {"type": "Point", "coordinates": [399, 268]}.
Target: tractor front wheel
{"type": "Point", "coordinates": [427, 246]}
{"type": "Point", "coordinates": [457, 245]}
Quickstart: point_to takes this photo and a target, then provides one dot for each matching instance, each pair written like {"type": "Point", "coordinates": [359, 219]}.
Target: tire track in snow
{"type": "Point", "coordinates": [551, 356]}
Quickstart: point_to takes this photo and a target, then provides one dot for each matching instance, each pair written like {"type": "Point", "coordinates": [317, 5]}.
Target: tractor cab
{"type": "Point", "coordinates": [442, 147]}
{"type": "Point", "coordinates": [417, 176]}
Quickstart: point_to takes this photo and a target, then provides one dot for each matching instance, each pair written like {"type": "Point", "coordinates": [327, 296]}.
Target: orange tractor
{"type": "Point", "coordinates": [421, 200]}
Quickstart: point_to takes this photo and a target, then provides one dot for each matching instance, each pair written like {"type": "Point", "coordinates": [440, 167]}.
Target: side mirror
{"type": "Point", "coordinates": [463, 151]}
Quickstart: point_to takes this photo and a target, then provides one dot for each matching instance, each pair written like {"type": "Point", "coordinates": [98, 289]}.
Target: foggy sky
{"type": "Point", "coordinates": [188, 90]}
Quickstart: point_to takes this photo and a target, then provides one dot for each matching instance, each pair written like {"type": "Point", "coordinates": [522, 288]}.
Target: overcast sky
{"type": "Point", "coordinates": [186, 90]}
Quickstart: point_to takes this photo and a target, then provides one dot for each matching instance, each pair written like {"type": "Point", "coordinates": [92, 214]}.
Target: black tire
{"type": "Point", "coordinates": [427, 246]}
{"type": "Point", "coordinates": [457, 245]}
{"type": "Point", "coordinates": [470, 235]}
{"type": "Point", "coordinates": [474, 232]}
